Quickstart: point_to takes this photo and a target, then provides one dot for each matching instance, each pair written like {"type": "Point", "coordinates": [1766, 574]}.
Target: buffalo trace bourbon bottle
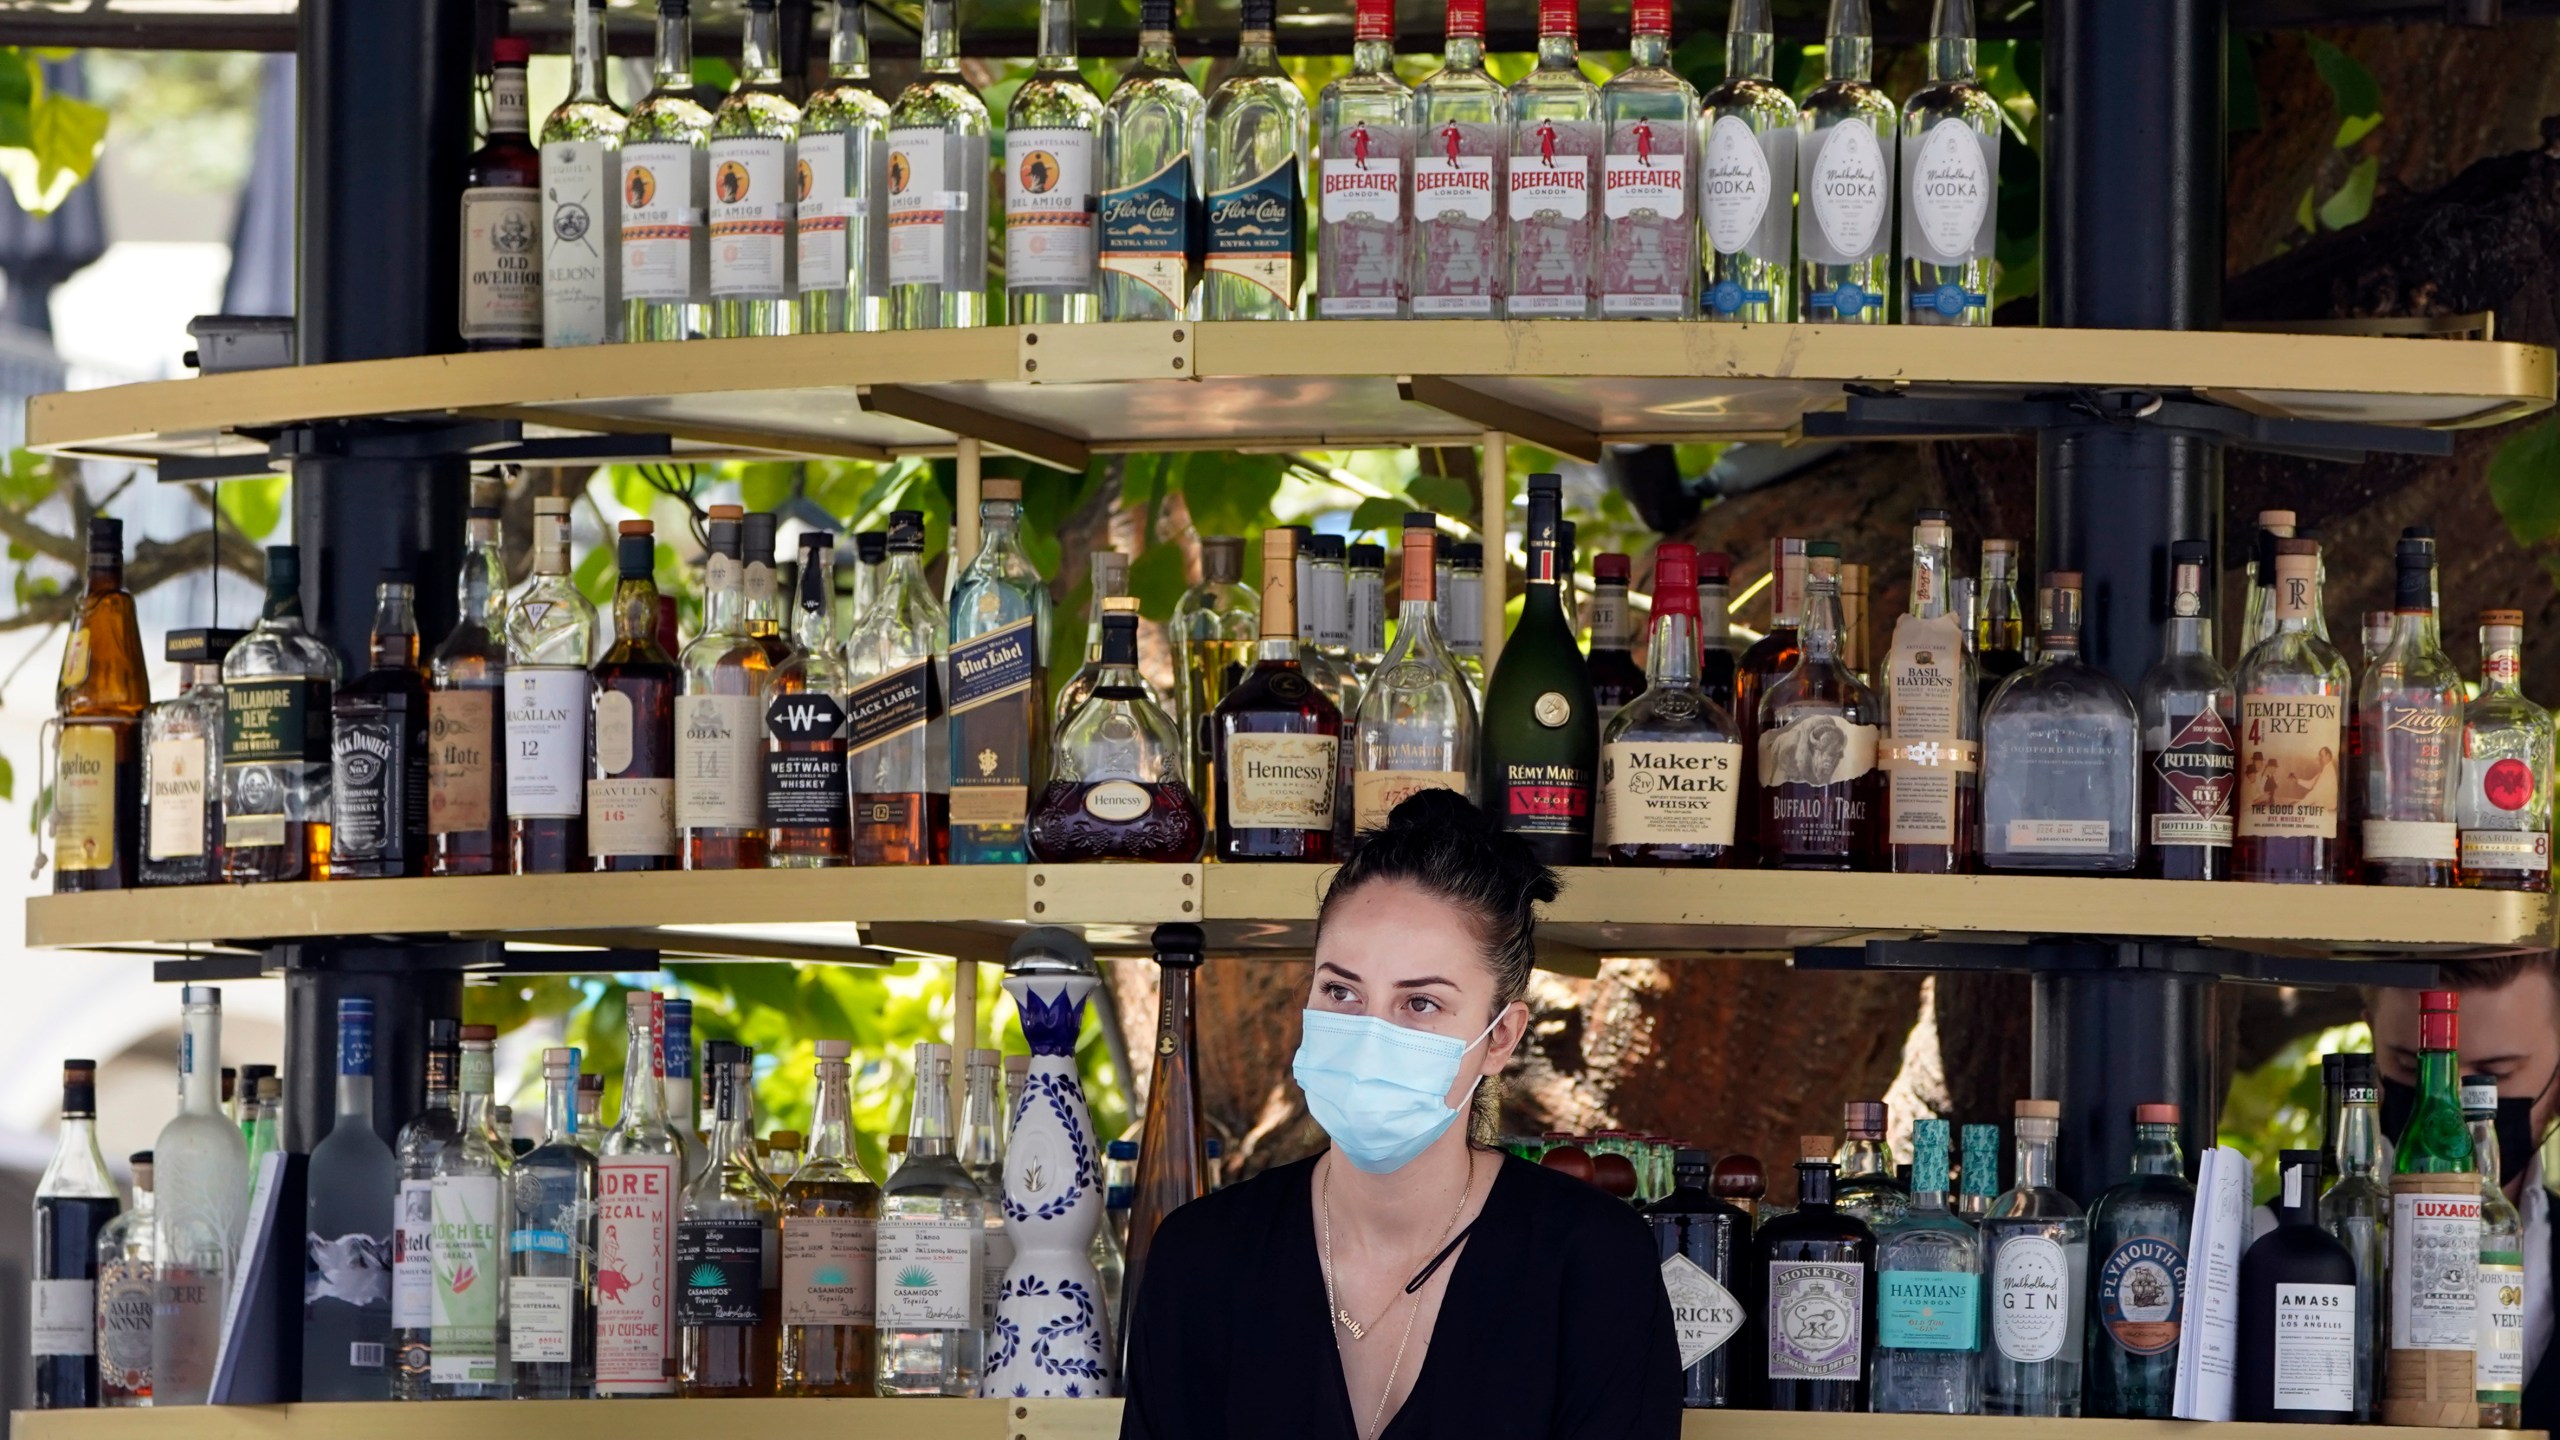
{"type": "Point", "coordinates": [807, 809]}
{"type": "Point", "coordinates": [830, 1223]}
{"type": "Point", "coordinates": [181, 820]}
{"type": "Point", "coordinates": [636, 1206]}
{"type": "Point", "coordinates": [469, 1194]}
{"type": "Point", "coordinates": [2409, 717]}
{"type": "Point", "coordinates": [1928, 1295]}
{"type": "Point", "coordinates": [1844, 171]}
{"type": "Point", "coordinates": [2138, 1283]}
{"type": "Point", "coordinates": [1950, 182]}
{"type": "Point", "coordinates": [1616, 678]}
{"type": "Point", "coordinates": [753, 180]}
{"type": "Point", "coordinates": [1152, 225]}
{"type": "Point", "coordinates": [2430, 1375]}
{"type": "Point", "coordinates": [379, 747]}
{"type": "Point", "coordinates": [1670, 768]}
{"type": "Point", "coordinates": [1821, 1295]}
{"type": "Point", "coordinates": [666, 171]}
{"type": "Point", "coordinates": [2504, 804]}
{"type": "Point", "coordinates": [581, 210]}
{"type": "Point", "coordinates": [2035, 1260]}
{"type": "Point", "coordinates": [719, 718]}
{"type": "Point", "coordinates": [1278, 739]}
{"type": "Point", "coordinates": [413, 1240]}
{"type": "Point", "coordinates": [502, 217]}
{"type": "Point", "coordinates": [466, 689]}
{"type": "Point", "coordinates": [631, 815]}
{"type": "Point", "coordinates": [1364, 138]}
{"type": "Point", "coordinates": [1256, 124]}
{"type": "Point", "coordinates": [1116, 775]}
{"type": "Point", "coordinates": [1462, 125]}
{"type": "Point", "coordinates": [1745, 178]}
{"type": "Point", "coordinates": [75, 1201]}
{"type": "Point", "coordinates": [938, 188]}
{"type": "Point", "coordinates": [1541, 737]}
{"type": "Point", "coordinates": [1933, 762]}
{"type": "Point", "coordinates": [841, 259]}
{"type": "Point", "coordinates": [2060, 779]}
{"type": "Point", "coordinates": [276, 685]}
{"type": "Point", "coordinates": [2298, 1313]}
{"type": "Point", "coordinates": [2186, 708]}
{"type": "Point", "coordinates": [352, 1205]}
{"type": "Point", "coordinates": [1417, 727]}
{"type": "Point", "coordinates": [1705, 1245]}
{"type": "Point", "coordinates": [100, 696]}
{"type": "Point", "coordinates": [551, 633]}
{"type": "Point", "coordinates": [551, 1249]}
{"type": "Point", "coordinates": [2294, 698]}
{"type": "Point", "coordinates": [1648, 240]}
{"type": "Point", "coordinates": [999, 717]}
{"type": "Point", "coordinates": [1052, 132]}
{"type": "Point", "coordinates": [1821, 796]}
{"type": "Point", "coordinates": [895, 738]}
{"type": "Point", "coordinates": [1548, 206]}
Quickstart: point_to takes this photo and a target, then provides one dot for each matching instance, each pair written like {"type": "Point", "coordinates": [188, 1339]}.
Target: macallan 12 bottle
{"type": "Point", "coordinates": [550, 640]}
{"type": "Point", "coordinates": [104, 687]}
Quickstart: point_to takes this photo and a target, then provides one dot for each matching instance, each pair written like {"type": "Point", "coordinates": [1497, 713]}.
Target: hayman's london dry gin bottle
{"type": "Point", "coordinates": [1364, 122]}
{"type": "Point", "coordinates": [1555, 139]}
{"type": "Point", "coordinates": [581, 209]}
{"type": "Point", "coordinates": [752, 184]}
{"type": "Point", "coordinates": [1746, 179]}
{"type": "Point", "coordinates": [1052, 133]}
{"type": "Point", "coordinates": [1844, 171]}
{"type": "Point", "coordinates": [1462, 121]}
{"type": "Point", "coordinates": [842, 180]}
{"type": "Point", "coordinates": [1950, 182]}
{"type": "Point", "coordinates": [1648, 240]}
{"type": "Point", "coordinates": [2504, 806]}
{"type": "Point", "coordinates": [938, 188]}
{"type": "Point", "coordinates": [1152, 226]}
{"type": "Point", "coordinates": [666, 169]}
{"type": "Point", "coordinates": [1257, 136]}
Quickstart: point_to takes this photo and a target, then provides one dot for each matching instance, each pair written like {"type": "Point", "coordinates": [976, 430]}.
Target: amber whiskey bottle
{"type": "Point", "coordinates": [466, 679]}
{"type": "Point", "coordinates": [103, 690]}
{"type": "Point", "coordinates": [720, 717]}
{"type": "Point", "coordinates": [1172, 1153]}
{"type": "Point", "coordinates": [631, 773]}
{"type": "Point", "coordinates": [378, 750]}
{"type": "Point", "coordinates": [1277, 737]}
{"type": "Point", "coordinates": [1772, 655]}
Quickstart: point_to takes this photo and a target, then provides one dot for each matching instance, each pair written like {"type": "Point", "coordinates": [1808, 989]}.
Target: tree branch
{"type": "Point", "coordinates": [154, 563]}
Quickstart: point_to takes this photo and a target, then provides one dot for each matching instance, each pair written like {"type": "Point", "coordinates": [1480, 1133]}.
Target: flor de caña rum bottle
{"type": "Point", "coordinates": [1541, 742]}
{"type": "Point", "coordinates": [1278, 739]}
{"type": "Point", "coordinates": [2504, 805]}
{"type": "Point", "coordinates": [276, 686]}
{"type": "Point", "coordinates": [1256, 125]}
{"type": "Point", "coordinates": [2294, 697]}
{"type": "Point", "coordinates": [100, 697]}
{"type": "Point", "coordinates": [1152, 226]}
{"type": "Point", "coordinates": [631, 816]}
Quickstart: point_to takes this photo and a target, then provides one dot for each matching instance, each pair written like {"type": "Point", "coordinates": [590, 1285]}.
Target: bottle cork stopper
{"type": "Point", "coordinates": [728, 512]}
{"type": "Point", "coordinates": [996, 487]}
{"type": "Point", "coordinates": [2508, 619]}
{"type": "Point", "coordinates": [1119, 604]}
{"type": "Point", "coordinates": [635, 527]}
{"type": "Point", "coordinates": [2155, 1114]}
{"type": "Point", "coordinates": [2039, 1110]}
{"type": "Point", "coordinates": [1814, 1147]}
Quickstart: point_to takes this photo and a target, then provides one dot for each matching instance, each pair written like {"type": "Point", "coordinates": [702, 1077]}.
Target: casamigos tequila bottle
{"type": "Point", "coordinates": [753, 180]}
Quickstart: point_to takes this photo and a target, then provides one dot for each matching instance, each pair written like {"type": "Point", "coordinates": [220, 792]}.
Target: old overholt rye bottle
{"type": "Point", "coordinates": [276, 685]}
{"type": "Point", "coordinates": [631, 768]}
{"type": "Point", "coordinates": [1820, 1285]}
{"type": "Point", "coordinates": [2186, 707]}
{"type": "Point", "coordinates": [1277, 737]}
{"type": "Point", "coordinates": [1821, 795]}
{"type": "Point", "coordinates": [1541, 737]}
{"type": "Point", "coordinates": [502, 217]}
{"type": "Point", "coordinates": [1933, 761]}
{"type": "Point", "coordinates": [2429, 1377]}
{"type": "Point", "coordinates": [2294, 698]}
{"type": "Point", "coordinates": [999, 715]}
{"type": "Point", "coordinates": [550, 640]}
{"type": "Point", "coordinates": [894, 732]}
{"type": "Point", "coordinates": [379, 747]}
{"type": "Point", "coordinates": [97, 790]}
{"type": "Point", "coordinates": [2298, 1321]}
{"type": "Point", "coordinates": [2138, 1282]}
{"type": "Point", "coordinates": [1670, 768]}
{"type": "Point", "coordinates": [1705, 1245]}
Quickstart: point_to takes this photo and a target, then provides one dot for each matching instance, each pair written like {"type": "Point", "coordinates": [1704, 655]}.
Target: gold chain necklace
{"type": "Point", "coordinates": [1343, 1317]}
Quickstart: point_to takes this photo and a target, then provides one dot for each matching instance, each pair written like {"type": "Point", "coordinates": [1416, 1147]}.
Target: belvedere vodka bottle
{"type": "Point", "coordinates": [666, 165]}
{"type": "Point", "coordinates": [202, 1167]}
{"type": "Point", "coordinates": [843, 259]}
{"type": "Point", "coordinates": [1051, 132]}
{"type": "Point", "coordinates": [1950, 182]}
{"type": "Point", "coordinates": [1844, 171]}
{"type": "Point", "coordinates": [1151, 225]}
{"type": "Point", "coordinates": [354, 1190]}
{"type": "Point", "coordinates": [1745, 179]}
{"type": "Point", "coordinates": [1648, 240]}
{"type": "Point", "coordinates": [1364, 122]}
{"type": "Point", "coordinates": [1555, 138]}
{"type": "Point", "coordinates": [1257, 136]}
{"type": "Point", "coordinates": [752, 180]}
{"type": "Point", "coordinates": [1462, 122]}
{"type": "Point", "coordinates": [581, 210]}
{"type": "Point", "coordinates": [938, 189]}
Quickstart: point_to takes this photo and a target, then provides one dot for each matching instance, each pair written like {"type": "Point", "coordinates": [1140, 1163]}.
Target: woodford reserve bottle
{"type": "Point", "coordinates": [1933, 762]}
{"type": "Point", "coordinates": [2294, 697]}
{"type": "Point", "coordinates": [466, 690]}
{"type": "Point", "coordinates": [1670, 768]}
{"type": "Point", "coordinates": [550, 640]}
{"type": "Point", "coordinates": [894, 732]}
{"type": "Point", "coordinates": [100, 697]}
{"type": "Point", "coordinates": [1277, 737]}
{"type": "Point", "coordinates": [378, 749]}
{"type": "Point", "coordinates": [631, 770]}
{"type": "Point", "coordinates": [2186, 708]}
{"type": "Point", "coordinates": [1821, 796]}
{"type": "Point", "coordinates": [2504, 807]}
{"type": "Point", "coordinates": [1541, 738]}
{"type": "Point", "coordinates": [2061, 786]}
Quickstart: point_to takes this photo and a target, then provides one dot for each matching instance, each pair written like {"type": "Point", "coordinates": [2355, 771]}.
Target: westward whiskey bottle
{"type": "Point", "coordinates": [631, 767]}
{"type": "Point", "coordinates": [1933, 762]}
{"type": "Point", "coordinates": [2504, 807]}
{"type": "Point", "coordinates": [550, 639]}
{"type": "Point", "coordinates": [1541, 737]}
{"type": "Point", "coordinates": [2409, 716]}
{"type": "Point", "coordinates": [2186, 707]}
{"type": "Point", "coordinates": [1278, 738]}
{"type": "Point", "coordinates": [97, 791]}
{"type": "Point", "coordinates": [378, 750]}
{"type": "Point", "coordinates": [466, 766]}
{"type": "Point", "coordinates": [807, 813]}
{"type": "Point", "coordinates": [276, 685]}
{"type": "Point", "coordinates": [181, 756]}
{"type": "Point", "coordinates": [2294, 697]}
{"type": "Point", "coordinates": [999, 712]}
{"type": "Point", "coordinates": [719, 730]}
{"type": "Point", "coordinates": [895, 738]}
{"type": "Point", "coordinates": [1820, 792]}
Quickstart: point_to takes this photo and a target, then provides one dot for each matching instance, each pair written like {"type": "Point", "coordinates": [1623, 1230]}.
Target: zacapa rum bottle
{"type": "Point", "coordinates": [2430, 1376]}
{"type": "Point", "coordinates": [353, 1198]}
{"type": "Point", "coordinates": [895, 737]}
{"type": "Point", "coordinates": [1928, 1295]}
{"type": "Point", "coordinates": [1553, 224]}
{"type": "Point", "coordinates": [1844, 171]}
{"type": "Point", "coordinates": [1820, 1284]}
{"type": "Point", "coordinates": [2294, 699]}
{"type": "Point", "coordinates": [1933, 762]}
{"type": "Point", "coordinates": [636, 1206]}
{"type": "Point", "coordinates": [999, 711]}
{"type": "Point", "coordinates": [719, 721]}
{"type": "Point", "coordinates": [1950, 182]}
{"type": "Point", "coordinates": [842, 262]}
{"type": "Point", "coordinates": [932, 1223]}
{"type": "Point", "coordinates": [807, 815]}
{"type": "Point", "coordinates": [550, 639]}
{"type": "Point", "coordinates": [2189, 760]}
{"type": "Point", "coordinates": [2035, 1245]}
{"type": "Point", "coordinates": [1670, 767]}
{"type": "Point", "coordinates": [1052, 134]}
{"type": "Point", "coordinates": [830, 1222]}
{"type": "Point", "coordinates": [1256, 123]}
{"type": "Point", "coordinates": [2357, 1210]}
{"type": "Point", "coordinates": [276, 689]}
{"type": "Point", "coordinates": [938, 188]}
{"type": "Point", "coordinates": [2501, 1369]}
{"type": "Point", "coordinates": [2409, 714]}
{"type": "Point", "coordinates": [1417, 724]}
{"type": "Point", "coordinates": [1648, 234]}
{"type": "Point", "coordinates": [1462, 127]}
{"type": "Point", "coordinates": [413, 1231]}
{"type": "Point", "coordinates": [466, 693]}
{"type": "Point", "coordinates": [581, 199]}
{"type": "Point", "coordinates": [469, 1194]}
{"type": "Point", "coordinates": [1541, 749]}
{"type": "Point", "coordinates": [1820, 790]}
{"type": "Point", "coordinates": [2504, 804]}
{"type": "Point", "coordinates": [1364, 140]}
{"type": "Point", "coordinates": [1744, 204]}
{"type": "Point", "coordinates": [753, 178]}
{"type": "Point", "coordinates": [502, 218]}
{"type": "Point", "coordinates": [100, 696]}
{"type": "Point", "coordinates": [1152, 227]}
{"type": "Point", "coordinates": [666, 171]}
{"type": "Point", "coordinates": [551, 1249]}
{"type": "Point", "coordinates": [203, 1166]}
{"type": "Point", "coordinates": [2138, 1234]}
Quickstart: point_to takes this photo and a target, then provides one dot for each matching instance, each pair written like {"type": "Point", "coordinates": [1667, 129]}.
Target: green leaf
{"type": "Point", "coordinates": [2524, 483]}
{"type": "Point", "coordinates": [19, 81]}
{"type": "Point", "coordinates": [597, 573]}
{"type": "Point", "coordinates": [2303, 214]}
{"type": "Point", "coordinates": [766, 485]}
{"type": "Point", "coordinates": [2355, 128]}
{"type": "Point", "coordinates": [1381, 512]}
{"type": "Point", "coordinates": [27, 482]}
{"type": "Point", "coordinates": [256, 506]}
{"type": "Point", "coordinates": [2354, 199]}
{"type": "Point", "coordinates": [1231, 494]}
{"type": "Point", "coordinates": [2350, 84]}
{"type": "Point", "coordinates": [8, 780]}
{"type": "Point", "coordinates": [1158, 577]}
{"type": "Point", "coordinates": [710, 72]}
{"type": "Point", "coordinates": [1446, 495]}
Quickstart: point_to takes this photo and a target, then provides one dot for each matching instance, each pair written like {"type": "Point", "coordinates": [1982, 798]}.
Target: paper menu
{"type": "Point", "coordinates": [2209, 1331]}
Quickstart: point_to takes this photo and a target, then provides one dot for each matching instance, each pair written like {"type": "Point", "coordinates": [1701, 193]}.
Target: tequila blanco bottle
{"type": "Point", "coordinates": [666, 165]}
{"type": "Point", "coordinates": [1746, 179]}
{"type": "Point", "coordinates": [1052, 133]}
{"type": "Point", "coordinates": [1462, 125]}
{"type": "Point", "coordinates": [1950, 182]}
{"type": "Point", "coordinates": [1844, 169]}
{"type": "Point", "coordinates": [581, 203]}
{"type": "Point", "coordinates": [1555, 140]}
{"type": "Point", "coordinates": [752, 180]}
{"type": "Point", "coordinates": [1151, 229]}
{"type": "Point", "coordinates": [843, 173]}
{"type": "Point", "coordinates": [1364, 122]}
{"type": "Point", "coordinates": [1648, 242]}
{"type": "Point", "coordinates": [1257, 139]}
{"type": "Point", "coordinates": [938, 189]}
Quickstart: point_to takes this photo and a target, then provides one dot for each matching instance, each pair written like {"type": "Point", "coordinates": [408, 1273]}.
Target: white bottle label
{"type": "Point", "coordinates": [502, 263]}
{"type": "Point", "coordinates": [751, 217]}
{"type": "Point", "coordinates": [1670, 792]}
{"type": "Point", "coordinates": [63, 1317]}
{"type": "Point", "coordinates": [927, 1275]}
{"type": "Point", "coordinates": [635, 1235]}
{"type": "Point", "coordinates": [920, 204]}
{"type": "Point", "coordinates": [2315, 1359]}
{"type": "Point", "coordinates": [661, 222]}
{"type": "Point", "coordinates": [830, 1265]}
{"type": "Point", "coordinates": [2500, 1355]}
{"type": "Point", "coordinates": [2435, 1272]}
{"type": "Point", "coordinates": [174, 778]}
{"type": "Point", "coordinates": [1636, 184]}
{"type": "Point", "coordinates": [546, 739]}
{"type": "Point", "coordinates": [470, 1275]}
{"type": "Point", "coordinates": [578, 220]}
{"type": "Point", "coordinates": [539, 1317]}
{"type": "Point", "coordinates": [825, 214]}
{"type": "Point", "coordinates": [2031, 1284]}
{"type": "Point", "coordinates": [1446, 188]}
{"type": "Point", "coordinates": [1048, 207]}
{"type": "Point", "coordinates": [1733, 193]}
{"type": "Point", "coordinates": [1847, 191]}
{"type": "Point", "coordinates": [413, 1257]}
{"type": "Point", "coordinates": [1948, 193]}
{"type": "Point", "coordinates": [1281, 782]}
{"type": "Point", "coordinates": [1356, 190]}
{"type": "Point", "coordinates": [719, 763]}
{"type": "Point", "coordinates": [1704, 1314]}
{"type": "Point", "coordinates": [1543, 182]}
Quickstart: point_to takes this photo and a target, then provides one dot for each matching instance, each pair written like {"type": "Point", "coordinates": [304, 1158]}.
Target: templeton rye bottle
{"type": "Point", "coordinates": [2294, 698]}
{"type": "Point", "coordinates": [100, 697]}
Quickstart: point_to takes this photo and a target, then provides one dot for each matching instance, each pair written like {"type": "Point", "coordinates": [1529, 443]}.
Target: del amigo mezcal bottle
{"type": "Point", "coordinates": [276, 686]}
{"type": "Point", "coordinates": [2138, 1234]}
{"type": "Point", "coordinates": [1950, 182]}
{"type": "Point", "coordinates": [1844, 171]}
{"type": "Point", "coordinates": [2035, 1245]}
{"type": "Point", "coordinates": [379, 747]}
{"type": "Point", "coordinates": [1928, 1295]}
{"type": "Point", "coordinates": [550, 639]}
{"type": "Point", "coordinates": [351, 1211]}
{"type": "Point", "coordinates": [1117, 788]}
{"type": "Point", "coordinates": [551, 1249]}
{"type": "Point", "coordinates": [2504, 805]}
{"type": "Point", "coordinates": [1052, 132]}
{"type": "Point", "coordinates": [1541, 743]}
{"type": "Point", "coordinates": [181, 820]}
{"type": "Point", "coordinates": [753, 178]}
{"type": "Point", "coordinates": [100, 696]}
{"type": "Point", "coordinates": [581, 199]}
{"type": "Point", "coordinates": [413, 1240]}
{"type": "Point", "coordinates": [1820, 1284]}
{"type": "Point", "coordinates": [1670, 767]}
{"type": "Point", "coordinates": [842, 262]}
{"type": "Point", "coordinates": [502, 218]}
{"type": "Point", "coordinates": [938, 188]}
{"type": "Point", "coordinates": [1933, 762]}
{"type": "Point", "coordinates": [1256, 124]}
{"type": "Point", "coordinates": [1744, 204]}
{"type": "Point", "coordinates": [631, 786]}
{"type": "Point", "coordinates": [1548, 208]}
{"type": "Point", "coordinates": [999, 714]}
{"type": "Point", "coordinates": [2298, 1318]}
{"type": "Point", "coordinates": [807, 812]}
{"type": "Point", "coordinates": [1648, 234]}
{"type": "Point", "coordinates": [1152, 225]}
{"type": "Point", "coordinates": [1820, 791]}
{"type": "Point", "coordinates": [2294, 698]}
{"type": "Point", "coordinates": [2189, 760]}
{"type": "Point", "coordinates": [1462, 127]}
{"type": "Point", "coordinates": [932, 1222]}
{"type": "Point", "coordinates": [666, 169]}
{"type": "Point", "coordinates": [1417, 728]}
{"type": "Point", "coordinates": [1277, 737]}
{"type": "Point", "coordinates": [75, 1201]}
{"type": "Point", "coordinates": [895, 735]}
{"type": "Point", "coordinates": [1364, 141]}
{"type": "Point", "coordinates": [2409, 714]}
{"type": "Point", "coordinates": [2060, 784]}
{"type": "Point", "coordinates": [466, 688]}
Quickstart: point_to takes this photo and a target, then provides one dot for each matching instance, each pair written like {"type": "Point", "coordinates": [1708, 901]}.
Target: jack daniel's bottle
{"type": "Point", "coordinates": [379, 750]}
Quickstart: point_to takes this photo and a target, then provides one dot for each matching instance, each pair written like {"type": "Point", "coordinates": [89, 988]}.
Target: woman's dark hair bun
{"type": "Point", "coordinates": [1441, 841]}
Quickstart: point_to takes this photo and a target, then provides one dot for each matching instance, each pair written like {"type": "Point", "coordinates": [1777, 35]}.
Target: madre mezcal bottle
{"type": "Point", "coordinates": [932, 1223]}
{"type": "Point", "coordinates": [351, 1209]}
{"type": "Point", "coordinates": [938, 188]}
{"type": "Point", "coordinates": [1117, 776]}
{"type": "Point", "coordinates": [807, 813]}
{"type": "Point", "coordinates": [2138, 1234]}
{"type": "Point", "coordinates": [1548, 206]}
{"type": "Point", "coordinates": [1541, 747]}
{"type": "Point", "coordinates": [1933, 761]}
{"type": "Point", "coordinates": [2186, 707]}
{"type": "Point", "coordinates": [1462, 126]}
{"type": "Point", "coordinates": [2504, 804]}
{"type": "Point", "coordinates": [551, 1249]}
{"type": "Point", "coordinates": [637, 1200]}
{"type": "Point", "coordinates": [1364, 141]}
{"type": "Point", "coordinates": [2294, 698]}
{"type": "Point", "coordinates": [2298, 1316]}
{"type": "Point", "coordinates": [1648, 236]}
{"type": "Point", "coordinates": [842, 261]}
{"type": "Point", "coordinates": [1705, 1245]}
{"type": "Point", "coordinates": [1844, 171]}
{"type": "Point", "coordinates": [581, 195]}
{"type": "Point", "coordinates": [1052, 132]}
{"type": "Point", "coordinates": [76, 1201]}
{"type": "Point", "coordinates": [1950, 182]}
{"type": "Point", "coordinates": [276, 687]}
{"type": "Point", "coordinates": [550, 639]}
{"type": "Point", "coordinates": [1256, 124]}
{"type": "Point", "coordinates": [998, 710]}
{"type": "Point", "coordinates": [666, 170]}
{"type": "Point", "coordinates": [2035, 1256]}
{"type": "Point", "coordinates": [2060, 788]}
{"type": "Point", "coordinates": [100, 696]}
{"type": "Point", "coordinates": [1152, 226]}
{"type": "Point", "coordinates": [1417, 725]}
{"type": "Point", "coordinates": [1670, 767]}
{"type": "Point", "coordinates": [753, 180]}
{"type": "Point", "coordinates": [466, 693]}
{"type": "Point", "coordinates": [1928, 1295]}
{"type": "Point", "coordinates": [1745, 205]}
{"type": "Point", "coordinates": [1819, 1284]}
{"type": "Point", "coordinates": [895, 737]}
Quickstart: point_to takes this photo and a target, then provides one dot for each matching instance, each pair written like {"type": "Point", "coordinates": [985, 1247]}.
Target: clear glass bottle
{"type": "Point", "coordinates": [728, 1251]}
{"type": "Point", "coordinates": [830, 1222]}
{"type": "Point", "coordinates": [2409, 715]}
{"type": "Point", "coordinates": [379, 749]}
{"type": "Point", "coordinates": [1821, 795]}
{"type": "Point", "coordinates": [1462, 127]}
{"type": "Point", "coordinates": [2258, 619]}
{"type": "Point", "coordinates": [203, 1167]}
{"type": "Point", "coordinates": [1649, 232]}
{"type": "Point", "coordinates": [1151, 228]}
{"type": "Point", "coordinates": [353, 1197]}
{"type": "Point", "coordinates": [841, 264]}
{"type": "Point", "coordinates": [1845, 172]}
{"type": "Point", "coordinates": [265, 1123]}
{"type": "Point", "coordinates": [1214, 630]}
{"type": "Point", "coordinates": [1052, 143]}
{"type": "Point", "coordinates": [2357, 1210]}
{"type": "Point", "coordinates": [999, 656]}
{"type": "Point", "coordinates": [638, 1175]}
{"type": "Point", "coordinates": [1670, 765]}
{"type": "Point", "coordinates": [666, 172]}
{"type": "Point", "coordinates": [581, 201]}
{"type": "Point", "coordinates": [684, 1110]}
{"type": "Point", "coordinates": [938, 188]}
{"type": "Point", "coordinates": [277, 684]}
{"type": "Point", "coordinates": [1366, 599]}
{"type": "Point", "coordinates": [2504, 804]}
{"type": "Point", "coordinates": [128, 1261]}
{"type": "Point", "coordinates": [895, 738]}
{"type": "Point", "coordinates": [2498, 1360]}
{"type": "Point", "coordinates": [469, 1193]}
{"type": "Point", "coordinates": [1364, 143]}
{"type": "Point", "coordinates": [1106, 576]}
{"type": "Point", "coordinates": [932, 1221]}
{"type": "Point", "coordinates": [422, 1139]}
{"type": "Point", "coordinates": [982, 1155]}
{"type": "Point", "coordinates": [551, 1249]}
{"type": "Point", "coordinates": [2035, 1256]}
{"type": "Point", "coordinates": [2000, 627]}
{"type": "Point", "coordinates": [1417, 726]}
{"type": "Point", "coordinates": [1117, 775]}
{"type": "Point", "coordinates": [1933, 761]}
{"type": "Point", "coordinates": [753, 184]}
{"type": "Point", "coordinates": [1256, 140]}
{"type": "Point", "coordinates": [1928, 1295]}
{"type": "Point", "coordinates": [1744, 201]}
{"type": "Point", "coordinates": [1462, 607]}
{"type": "Point", "coordinates": [1553, 227]}
{"type": "Point", "coordinates": [2138, 1232]}
{"type": "Point", "coordinates": [550, 641]}
{"type": "Point", "coordinates": [1866, 1186]}
{"type": "Point", "coordinates": [2294, 698]}
{"type": "Point", "coordinates": [181, 816]}
{"type": "Point", "coordinates": [719, 719]}
{"type": "Point", "coordinates": [467, 691]}
{"type": "Point", "coordinates": [76, 1200]}
{"type": "Point", "coordinates": [2190, 760]}
{"type": "Point", "coordinates": [807, 813]}
{"type": "Point", "coordinates": [2060, 789]}
{"type": "Point", "coordinates": [590, 1104]}
{"type": "Point", "coordinates": [1950, 182]}
{"type": "Point", "coordinates": [1324, 620]}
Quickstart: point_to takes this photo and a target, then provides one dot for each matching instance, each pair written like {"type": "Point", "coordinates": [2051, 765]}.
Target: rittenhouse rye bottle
{"type": "Point", "coordinates": [1364, 137]}
{"type": "Point", "coordinates": [631, 747]}
{"type": "Point", "coordinates": [550, 640]}
{"type": "Point", "coordinates": [1950, 182]}
{"type": "Point", "coordinates": [1820, 1286]}
{"type": "Point", "coordinates": [379, 748]}
{"type": "Point", "coordinates": [1670, 766]}
{"type": "Point", "coordinates": [1933, 761]}
{"type": "Point", "coordinates": [2294, 698]}
{"type": "Point", "coordinates": [2298, 1317]}
{"type": "Point", "coordinates": [1705, 1245]}
{"type": "Point", "coordinates": [1745, 200]}
{"type": "Point", "coordinates": [938, 188]}
{"type": "Point", "coordinates": [502, 217]}
{"type": "Point", "coordinates": [753, 180]}
{"type": "Point", "coordinates": [2430, 1376]}
{"type": "Point", "coordinates": [1548, 204]}
{"type": "Point", "coordinates": [1541, 737]}
{"type": "Point", "coordinates": [999, 715]}
{"type": "Point", "coordinates": [1278, 738]}
{"type": "Point", "coordinates": [830, 1222]}
{"type": "Point", "coordinates": [720, 717]}
{"type": "Point", "coordinates": [1845, 173]}
{"type": "Point", "coordinates": [352, 1206]}
{"type": "Point", "coordinates": [1052, 134]}
{"type": "Point", "coordinates": [100, 696]}
{"type": "Point", "coordinates": [581, 196]}
{"type": "Point", "coordinates": [666, 171]}
{"type": "Point", "coordinates": [1257, 135]}
{"type": "Point", "coordinates": [466, 692]}
{"type": "Point", "coordinates": [1928, 1295]}
{"type": "Point", "coordinates": [2060, 757]}
{"type": "Point", "coordinates": [276, 687]}
{"type": "Point", "coordinates": [1462, 126]}
{"type": "Point", "coordinates": [2189, 758]}
{"type": "Point", "coordinates": [1152, 227]}
{"type": "Point", "coordinates": [841, 259]}
{"type": "Point", "coordinates": [2138, 1276]}
{"type": "Point", "coordinates": [2409, 717]}
{"type": "Point", "coordinates": [1648, 234]}
{"type": "Point", "coordinates": [1117, 788]}
{"type": "Point", "coordinates": [1417, 728]}
{"type": "Point", "coordinates": [895, 737]}
{"type": "Point", "coordinates": [75, 1201]}
{"type": "Point", "coordinates": [2035, 1260]}
{"type": "Point", "coordinates": [637, 1200]}
{"type": "Point", "coordinates": [1821, 795]}
{"type": "Point", "coordinates": [2504, 804]}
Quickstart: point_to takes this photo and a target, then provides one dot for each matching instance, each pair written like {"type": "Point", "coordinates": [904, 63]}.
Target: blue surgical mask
{"type": "Point", "coordinates": [1380, 1091]}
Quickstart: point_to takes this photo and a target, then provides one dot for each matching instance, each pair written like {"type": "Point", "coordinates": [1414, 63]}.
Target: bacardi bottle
{"type": "Point", "coordinates": [1933, 762]}
{"type": "Point", "coordinates": [2189, 758]}
{"type": "Point", "coordinates": [581, 199]}
{"type": "Point", "coordinates": [1950, 182]}
{"type": "Point", "coordinates": [1364, 129]}
{"type": "Point", "coordinates": [1052, 133]}
{"type": "Point", "coordinates": [1462, 127]}
{"type": "Point", "coordinates": [938, 188]}
{"type": "Point", "coordinates": [502, 218]}
{"type": "Point", "coordinates": [1744, 201]}
{"type": "Point", "coordinates": [1553, 224]}
{"type": "Point", "coordinates": [842, 259]}
{"type": "Point", "coordinates": [2504, 805]}
{"type": "Point", "coordinates": [2294, 696]}
{"type": "Point", "coordinates": [100, 696]}
{"type": "Point", "coordinates": [276, 689]}
{"type": "Point", "coordinates": [1648, 231]}
{"type": "Point", "coordinates": [896, 740]}
{"type": "Point", "coordinates": [1845, 172]}
{"type": "Point", "coordinates": [1417, 724]}
{"type": "Point", "coordinates": [1152, 226]}
{"type": "Point", "coordinates": [753, 178]}
{"type": "Point", "coordinates": [808, 822]}
{"type": "Point", "coordinates": [2409, 715]}
{"type": "Point", "coordinates": [1670, 767]}
{"type": "Point", "coordinates": [666, 172]}
{"type": "Point", "coordinates": [999, 711]}
{"type": "Point", "coordinates": [466, 690]}
{"type": "Point", "coordinates": [1256, 124]}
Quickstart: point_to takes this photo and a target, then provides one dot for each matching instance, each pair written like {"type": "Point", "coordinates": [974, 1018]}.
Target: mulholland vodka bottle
{"type": "Point", "coordinates": [469, 1196]}
{"type": "Point", "coordinates": [2035, 1255]}
{"type": "Point", "coordinates": [1462, 124]}
{"type": "Point", "coordinates": [551, 1249]}
{"type": "Point", "coordinates": [752, 184]}
{"type": "Point", "coordinates": [1648, 238]}
{"type": "Point", "coordinates": [932, 1223]}
{"type": "Point", "coordinates": [1364, 126]}
{"type": "Point", "coordinates": [1950, 182]}
{"type": "Point", "coordinates": [999, 719]}
{"type": "Point", "coordinates": [1052, 135]}
{"type": "Point", "coordinates": [938, 188]}
{"type": "Point", "coordinates": [551, 632]}
{"type": "Point", "coordinates": [1555, 139]}
{"type": "Point", "coordinates": [581, 201]}
{"type": "Point", "coordinates": [1746, 179]}
{"type": "Point", "coordinates": [354, 1189]}
{"type": "Point", "coordinates": [1928, 1295]}
{"type": "Point", "coordinates": [202, 1165]}
{"type": "Point", "coordinates": [421, 1141]}
{"type": "Point", "coordinates": [1844, 172]}
{"type": "Point", "coordinates": [666, 168]}
{"type": "Point", "coordinates": [1256, 141]}
{"type": "Point", "coordinates": [1151, 227]}
{"type": "Point", "coordinates": [636, 1205]}
{"type": "Point", "coordinates": [842, 264]}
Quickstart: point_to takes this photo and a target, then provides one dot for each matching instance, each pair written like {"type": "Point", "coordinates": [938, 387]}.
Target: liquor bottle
{"type": "Point", "coordinates": [2430, 1374]}
{"type": "Point", "coordinates": [1172, 1164]}
{"type": "Point", "coordinates": [729, 1307]}
{"type": "Point", "coordinates": [2375, 634]}
{"type": "Point", "coordinates": [1277, 737]}
{"type": "Point", "coordinates": [275, 738]}
{"type": "Point", "coordinates": [99, 699]}
{"type": "Point", "coordinates": [354, 1192]}
{"type": "Point", "coordinates": [1417, 725]}
{"type": "Point", "coordinates": [202, 1163]}
{"type": "Point", "coordinates": [840, 262]}
{"type": "Point", "coordinates": [1051, 136]}
{"type": "Point", "coordinates": [1462, 127]}
{"type": "Point", "coordinates": [871, 561]}
{"type": "Point", "coordinates": [1933, 761]}
{"type": "Point", "coordinates": [2504, 804]}
{"type": "Point", "coordinates": [1364, 142]}
{"type": "Point", "coordinates": [590, 1104]}
{"type": "Point", "coordinates": [1616, 678]}
{"type": "Point", "coordinates": [2501, 1374]}
{"type": "Point", "coordinates": [127, 1260]}
{"type": "Point", "coordinates": [1106, 575]}
{"type": "Point", "coordinates": [1324, 622]}
{"type": "Point", "coordinates": [1845, 171]}
{"type": "Point", "coordinates": [266, 1124]}
{"type": "Point", "coordinates": [1950, 182]}
{"type": "Point", "coordinates": [1648, 239]}
{"type": "Point", "coordinates": [938, 188]}
{"type": "Point", "coordinates": [830, 1221]}
{"type": "Point", "coordinates": [666, 172]}
{"type": "Point", "coordinates": [421, 1141]}
{"type": "Point", "coordinates": [2000, 630]}
{"type": "Point", "coordinates": [1744, 204]}
{"type": "Point", "coordinates": [502, 217]}
{"type": "Point", "coordinates": [2298, 1312]}
{"type": "Point", "coordinates": [247, 1108]}
{"type": "Point", "coordinates": [1215, 631]}
{"type": "Point", "coordinates": [2061, 789]}
{"type": "Point", "coordinates": [1670, 766]}
{"type": "Point", "coordinates": [1255, 125]}
{"type": "Point", "coordinates": [1772, 655]}
{"type": "Point", "coordinates": [753, 180]}
{"type": "Point", "coordinates": [637, 1176]}
{"type": "Point", "coordinates": [1366, 598]}
{"type": "Point", "coordinates": [1151, 225]}
{"type": "Point", "coordinates": [379, 749]}
{"type": "Point", "coordinates": [1854, 650]}
{"type": "Point", "coordinates": [1462, 601]}
{"type": "Point", "coordinates": [2258, 618]}
{"type": "Point", "coordinates": [2409, 714]}
{"type": "Point", "coordinates": [1979, 1183]}
{"type": "Point", "coordinates": [1820, 1278]}
{"type": "Point", "coordinates": [982, 1155]}
{"type": "Point", "coordinates": [1117, 787]}
{"type": "Point", "coordinates": [1717, 661]}
{"type": "Point", "coordinates": [581, 204]}
{"type": "Point", "coordinates": [2186, 706]}
{"type": "Point", "coordinates": [550, 639]}
{"type": "Point", "coordinates": [807, 815]}
{"type": "Point", "coordinates": [2035, 1252]}
{"type": "Point", "coordinates": [2138, 1234]}
{"type": "Point", "coordinates": [631, 761]}
{"type": "Point", "coordinates": [75, 1201]}
{"type": "Point", "coordinates": [684, 1112]}
{"type": "Point", "coordinates": [895, 739]}
{"type": "Point", "coordinates": [2294, 695]}
{"type": "Point", "coordinates": [998, 715]}
{"type": "Point", "coordinates": [469, 1194]}
{"type": "Point", "coordinates": [1556, 137]}
{"type": "Point", "coordinates": [1705, 1245]}
{"type": "Point", "coordinates": [1541, 737]}
{"type": "Point", "coordinates": [466, 679]}
{"type": "Point", "coordinates": [181, 811]}
{"type": "Point", "coordinates": [1821, 795]}
{"type": "Point", "coordinates": [719, 730]}
{"type": "Point", "coordinates": [1928, 1295]}
{"type": "Point", "coordinates": [1864, 1183]}
{"type": "Point", "coordinates": [932, 1221]}
{"type": "Point", "coordinates": [551, 1249]}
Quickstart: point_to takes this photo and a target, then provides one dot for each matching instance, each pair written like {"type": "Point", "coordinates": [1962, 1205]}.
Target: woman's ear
{"type": "Point", "coordinates": [1502, 1045]}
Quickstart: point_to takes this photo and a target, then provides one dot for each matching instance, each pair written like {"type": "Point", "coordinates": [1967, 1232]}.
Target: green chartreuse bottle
{"type": "Point", "coordinates": [1541, 732]}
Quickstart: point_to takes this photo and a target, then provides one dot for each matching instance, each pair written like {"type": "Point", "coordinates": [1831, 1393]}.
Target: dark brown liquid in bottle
{"type": "Point", "coordinates": [1171, 1160]}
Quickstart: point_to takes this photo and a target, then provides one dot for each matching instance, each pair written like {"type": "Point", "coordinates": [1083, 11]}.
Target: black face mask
{"type": "Point", "coordinates": [2517, 1142]}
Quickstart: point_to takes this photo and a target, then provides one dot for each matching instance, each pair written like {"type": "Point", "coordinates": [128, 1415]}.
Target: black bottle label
{"type": "Point", "coordinates": [890, 706]}
{"type": "Point", "coordinates": [378, 786]}
{"type": "Point", "coordinates": [719, 1272]}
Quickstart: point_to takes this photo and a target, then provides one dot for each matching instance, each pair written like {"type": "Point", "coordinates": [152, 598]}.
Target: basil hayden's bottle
{"type": "Point", "coordinates": [1541, 733]}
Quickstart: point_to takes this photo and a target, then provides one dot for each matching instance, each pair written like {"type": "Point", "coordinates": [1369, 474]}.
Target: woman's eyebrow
{"type": "Point", "coordinates": [1424, 982]}
{"type": "Point", "coordinates": [1336, 969]}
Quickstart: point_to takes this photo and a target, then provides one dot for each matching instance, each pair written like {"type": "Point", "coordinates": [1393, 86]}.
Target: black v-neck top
{"type": "Point", "coordinates": [1555, 1325]}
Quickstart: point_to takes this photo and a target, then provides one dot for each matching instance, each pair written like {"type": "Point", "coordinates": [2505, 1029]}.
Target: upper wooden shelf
{"type": "Point", "coordinates": [1060, 394]}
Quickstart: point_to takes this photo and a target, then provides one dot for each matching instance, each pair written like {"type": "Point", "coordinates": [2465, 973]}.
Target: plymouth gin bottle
{"type": "Point", "coordinates": [2409, 715]}
{"type": "Point", "coordinates": [1151, 224]}
{"type": "Point", "coordinates": [551, 1249]}
{"type": "Point", "coordinates": [666, 169]}
{"type": "Point", "coordinates": [2059, 778]}
{"type": "Point", "coordinates": [1670, 767]}
{"type": "Point", "coordinates": [1844, 172]}
{"type": "Point", "coordinates": [998, 720]}
{"type": "Point", "coordinates": [551, 633]}
{"type": "Point", "coordinates": [1933, 761]}
{"type": "Point", "coordinates": [1257, 133]}
{"type": "Point", "coordinates": [1541, 737]}
{"type": "Point", "coordinates": [1555, 139]}
{"type": "Point", "coordinates": [1416, 728]}
{"type": "Point", "coordinates": [2035, 1245]}
{"type": "Point", "coordinates": [1364, 130]}
{"type": "Point", "coordinates": [1928, 1295]}
{"type": "Point", "coordinates": [1950, 182]}
{"type": "Point", "coordinates": [1051, 135]}
{"type": "Point", "coordinates": [354, 1192]}
{"type": "Point", "coordinates": [938, 188]}
{"type": "Point", "coordinates": [2357, 1210]}
{"type": "Point", "coordinates": [202, 1165]}
{"type": "Point", "coordinates": [752, 180]}
{"type": "Point", "coordinates": [2138, 1281]}
{"type": "Point", "coordinates": [581, 201]}
{"type": "Point", "coordinates": [1820, 1281]}
{"type": "Point", "coordinates": [1462, 125]}
{"type": "Point", "coordinates": [2294, 699]}
{"type": "Point", "coordinates": [895, 740]}
{"type": "Point", "coordinates": [636, 1206]}
{"type": "Point", "coordinates": [2504, 805]}
{"type": "Point", "coordinates": [2186, 708]}
{"type": "Point", "coordinates": [1648, 242]}
{"type": "Point", "coordinates": [842, 259]}
{"type": "Point", "coordinates": [1745, 205]}
{"type": "Point", "coordinates": [933, 1219]}
{"type": "Point", "coordinates": [469, 1196]}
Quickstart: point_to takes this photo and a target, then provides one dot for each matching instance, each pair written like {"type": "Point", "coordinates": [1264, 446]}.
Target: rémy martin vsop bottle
{"type": "Point", "coordinates": [100, 697]}
{"type": "Point", "coordinates": [1541, 735]}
